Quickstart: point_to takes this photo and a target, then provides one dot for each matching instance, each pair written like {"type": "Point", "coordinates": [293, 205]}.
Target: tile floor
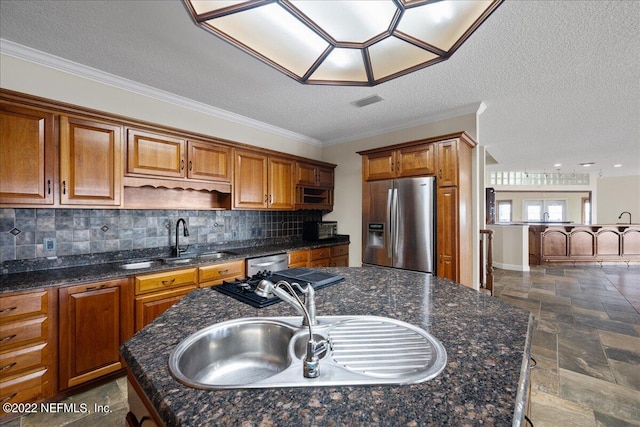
{"type": "Point", "coordinates": [586, 343]}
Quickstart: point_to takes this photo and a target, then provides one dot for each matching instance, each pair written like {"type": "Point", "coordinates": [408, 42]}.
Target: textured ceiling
{"type": "Point", "coordinates": [560, 79]}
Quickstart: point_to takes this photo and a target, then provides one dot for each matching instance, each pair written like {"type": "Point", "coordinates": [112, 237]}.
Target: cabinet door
{"type": "Point", "coordinates": [90, 162]}
{"type": "Point", "coordinates": [94, 321]}
{"type": "Point", "coordinates": [325, 177]}
{"type": "Point", "coordinates": [379, 166]}
{"type": "Point", "coordinates": [27, 156]}
{"type": "Point", "coordinates": [209, 162]}
{"type": "Point", "coordinates": [153, 154]}
{"type": "Point", "coordinates": [447, 240]}
{"type": "Point", "coordinates": [306, 174]}
{"type": "Point", "coordinates": [448, 163]}
{"type": "Point", "coordinates": [250, 180]}
{"type": "Point", "coordinates": [281, 186]}
{"type": "Point", "coordinates": [419, 160]}
{"type": "Point", "coordinates": [148, 307]}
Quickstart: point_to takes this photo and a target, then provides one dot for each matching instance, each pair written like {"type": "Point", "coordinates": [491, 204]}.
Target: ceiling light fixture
{"type": "Point", "coordinates": [356, 43]}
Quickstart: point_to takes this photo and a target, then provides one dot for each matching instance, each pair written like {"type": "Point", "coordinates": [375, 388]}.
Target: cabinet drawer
{"type": "Point", "coordinates": [298, 257]}
{"type": "Point", "coordinates": [17, 306]}
{"type": "Point", "coordinates": [218, 272]}
{"type": "Point", "coordinates": [23, 358]}
{"type": "Point", "coordinates": [172, 279]}
{"type": "Point", "coordinates": [25, 388]}
{"type": "Point", "coordinates": [320, 253]}
{"type": "Point", "coordinates": [16, 333]}
{"type": "Point", "coordinates": [340, 250]}
{"type": "Point", "coordinates": [325, 262]}
{"type": "Point", "coordinates": [150, 306]}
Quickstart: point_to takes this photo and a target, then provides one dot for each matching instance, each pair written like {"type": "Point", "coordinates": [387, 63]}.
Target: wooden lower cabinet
{"type": "Point", "coordinates": [329, 256]}
{"type": "Point", "coordinates": [28, 347]}
{"type": "Point", "coordinates": [213, 275]}
{"type": "Point", "coordinates": [299, 258]}
{"type": "Point", "coordinates": [95, 319]}
{"type": "Point", "coordinates": [150, 306]}
{"type": "Point", "coordinates": [447, 236]}
{"type": "Point", "coordinates": [156, 292]}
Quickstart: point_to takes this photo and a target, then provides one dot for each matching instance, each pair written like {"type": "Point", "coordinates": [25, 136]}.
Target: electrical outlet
{"type": "Point", "coordinates": [49, 245]}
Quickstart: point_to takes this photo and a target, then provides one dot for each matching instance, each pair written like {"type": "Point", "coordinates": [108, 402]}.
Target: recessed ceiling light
{"type": "Point", "coordinates": [617, 166]}
{"type": "Point", "coordinates": [557, 165]}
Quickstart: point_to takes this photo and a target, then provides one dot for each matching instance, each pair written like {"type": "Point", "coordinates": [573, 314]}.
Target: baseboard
{"type": "Point", "coordinates": [513, 267]}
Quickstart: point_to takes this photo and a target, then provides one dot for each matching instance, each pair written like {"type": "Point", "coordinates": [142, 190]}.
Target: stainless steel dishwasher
{"type": "Point", "coordinates": [271, 263]}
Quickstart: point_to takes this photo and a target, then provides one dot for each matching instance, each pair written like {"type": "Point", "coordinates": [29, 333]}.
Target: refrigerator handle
{"type": "Point", "coordinates": [388, 233]}
{"type": "Point", "coordinates": [395, 220]}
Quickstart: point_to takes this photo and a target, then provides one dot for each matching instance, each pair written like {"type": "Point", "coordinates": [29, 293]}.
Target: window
{"type": "Point", "coordinates": [586, 210]}
{"type": "Point", "coordinates": [504, 210]}
{"type": "Point", "coordinates": [545, 210]}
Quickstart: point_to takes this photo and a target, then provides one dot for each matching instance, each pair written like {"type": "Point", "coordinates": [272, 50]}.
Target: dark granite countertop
{"type": "Point", "coordinates": [487, 343]}
{"type": "Point", "coordinates": [107, 266]}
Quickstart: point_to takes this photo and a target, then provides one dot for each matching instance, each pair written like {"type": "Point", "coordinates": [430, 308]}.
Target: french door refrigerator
{"type": "Point", "coordinates": [398, 223]}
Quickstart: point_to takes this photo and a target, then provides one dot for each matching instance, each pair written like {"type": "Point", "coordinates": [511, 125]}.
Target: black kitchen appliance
{"type": "Point", "coordinates": [313, 231]}
{"type": "Point", "coordinates": [244, 289]}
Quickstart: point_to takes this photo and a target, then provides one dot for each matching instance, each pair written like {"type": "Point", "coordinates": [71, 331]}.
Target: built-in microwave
{"type": "Point", "coordinates": [312, 231]}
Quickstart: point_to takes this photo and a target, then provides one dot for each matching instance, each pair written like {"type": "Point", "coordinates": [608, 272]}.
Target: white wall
{"type": "Point", "coordinates": [510, 247]}
{"type": "Point", "coordinates": [348, 191]}
{"type": "Point", "coordinates": [574, 202]}
{"type": "Point", "coordinates": [616, 195]}
{"type": "Point", "coordinates": [39, 80]}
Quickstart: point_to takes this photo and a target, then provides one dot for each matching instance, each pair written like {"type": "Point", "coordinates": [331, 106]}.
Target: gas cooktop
{"type": "Point", "coordinates": [244, 289]}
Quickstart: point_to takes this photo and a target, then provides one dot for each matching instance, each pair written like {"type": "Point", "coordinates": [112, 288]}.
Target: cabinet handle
{"type": "Point", "coordinates": [48, 186]}
{"type": "Point", "coordinates": [190, 165]}
{"type": "Point", "coordinates": [398, 165]}
{"type": "Point", "coordinates": [9, 366]}
{"type": "Point", "coordinates": [8, 398]}
{"type": "Point", "coordinates": [266, 198]}
{"type": "Point", "coordinates": [64, 187]}
{"type": "Point", "coordinates": [182, 164]}
{"type": "Point", "coordinates": [94, 288]}
{"type": "Point", "coordinates": [440, 174]}
{"type": "Point", "coordinates": [6, 310]}
{"type": "Point", "coordinates": [8, 338]}
{"type": "Point", "coordinates": [270, 198]}
{"type": "Point", "coordinates": [223, 271]}
{"type": "Point", "coordinates": [169, 282]}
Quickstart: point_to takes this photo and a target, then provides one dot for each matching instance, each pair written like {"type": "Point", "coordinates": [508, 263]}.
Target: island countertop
{"type": "Point", "coordinates": [485, 380]}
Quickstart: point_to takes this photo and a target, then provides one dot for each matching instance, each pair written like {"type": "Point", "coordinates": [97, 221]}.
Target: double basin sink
{"type": "Point", "coordinates": [264, 352]}
{"type": "Point", "coordinates": [157, 262]}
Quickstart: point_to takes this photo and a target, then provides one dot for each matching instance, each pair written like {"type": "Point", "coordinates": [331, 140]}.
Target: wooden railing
{"type": "Point", "coordinates": [486, 248]}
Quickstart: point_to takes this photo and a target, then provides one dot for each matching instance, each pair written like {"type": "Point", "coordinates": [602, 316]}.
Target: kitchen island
{"type": "Point", "coordinates": [485, 381]}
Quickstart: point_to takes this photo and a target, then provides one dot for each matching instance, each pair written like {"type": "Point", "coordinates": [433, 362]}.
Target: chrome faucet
{"type": "Point", "coordinates": [625, 212]}
{"type": "Point", "coordinates": [545, 215]}
{"type": "Point", "coordinates": [185, 233]}
{"type": "Point", "coordinates": [311, 363]}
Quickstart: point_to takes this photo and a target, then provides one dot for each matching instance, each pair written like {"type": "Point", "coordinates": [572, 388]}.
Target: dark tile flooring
{"type": "Point", "coordinates": [586, 344]}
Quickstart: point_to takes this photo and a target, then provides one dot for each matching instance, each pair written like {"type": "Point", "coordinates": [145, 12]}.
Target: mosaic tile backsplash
{"type": "Point", "coordinates": [89, 231]}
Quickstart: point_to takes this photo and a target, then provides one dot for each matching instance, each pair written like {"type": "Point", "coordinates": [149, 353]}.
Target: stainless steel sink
{"type": "Point", "coordinates": [214, 255]}
{"type": "Point", "coordinates": [177, 260]}
{"type": "Point", "coordinates": [268, 352]}
{"type": "Point", "coordinates": [140, 264]}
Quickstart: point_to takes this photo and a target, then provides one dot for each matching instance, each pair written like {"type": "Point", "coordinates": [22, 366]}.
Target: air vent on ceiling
{"type": "Point", "coordinates": [367, 101]}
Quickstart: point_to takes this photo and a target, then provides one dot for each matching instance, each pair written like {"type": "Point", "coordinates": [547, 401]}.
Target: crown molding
{"type": "Point", "coordinates": [25, 53]}
{"type": "Point", "coordinates": [474, 108]}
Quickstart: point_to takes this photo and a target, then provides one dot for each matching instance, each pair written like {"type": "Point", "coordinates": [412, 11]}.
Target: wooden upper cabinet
{"type": "Point", "coordinates": [155, 154]}
{"type": "Point", "coordinates": [90, 162]}
{"type": "Point", "coordinates": [380, 165]}
{"type": "Point", "coordinates": [27, 156]}
{"type": "Point", "coordinates": [209, 162]}
{"type": "Point", "coordinates": [263, 182]}
{"type": "Point", "coordinates": [310, 175]}
{"type": "Point", "coordinates": [281, 185]}
{"type": "Point", "coordinates": [250, 177]}
{"type": "Point", "coordinates": [419, 160]}
{"type": "Point", "coordinates": [414, 160]}
{"type": "Point", "coordinates": [448, 163]}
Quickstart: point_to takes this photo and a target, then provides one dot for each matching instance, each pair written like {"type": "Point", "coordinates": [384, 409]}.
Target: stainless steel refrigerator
{"type": "Point", "coordinates": [398, 223]}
